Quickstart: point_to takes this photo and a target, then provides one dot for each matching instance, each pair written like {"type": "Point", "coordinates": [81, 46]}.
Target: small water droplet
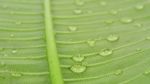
{"type": "Point", "coordinates": [12, 12]}
{"type": "Point", "coordinates": [139, 7]}
{"type": "Point", "coordinates": [106, 52]}
{"type": "Point", "coordinates": [11, 35]}
{"type": "Point", "coordinates": [14, 51]}
{"type": "Point", "coordinates": [103, 3]}
{"type": "Point", "coordinates": [138, 25]}
{"type": "Point", "coordinates": [113, 12]}
{"type": "Point", "coordinates": [72, 28]}
{"type": "Point", "coordinates": [91, 43]}
{"type": "Point", "coordinates": [126, 20]}
{"type": "Point", "coordinates": [77, 11]}
{"type": "Point", "coordinates": [78, 68]}
{"type": "Point", "coordinates": [148, 38]}
{"type": "Point", "coordinates": [78, 58]}
{"type": "Point", "coordinates": [16, 74]}
{"type": "Point", "coordinates": [5, 6]}
{"type": "Point", "coordinates": [5, 55]}
{"type": "Point", "coordinates": [138, 49]}
{"type": "Point", "coordinates": [109, 21]}
{"type": "Point", "coordinates": [118, 72]}
{"type": "Point", "coordinates": [18, 22]}
{"type": "Point", "coordinates": [146, 73]}
{"type": "Point", "coordinates": [1, 49]}
{"type": "Point", "coordinates": [2, 63]}
{"type": "Point", "coordinates": [112, 37]}
{"type": "Point", "coordinates": [79, 2]}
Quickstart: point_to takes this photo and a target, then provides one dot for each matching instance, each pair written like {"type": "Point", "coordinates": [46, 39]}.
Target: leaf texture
{"type": "Point", "coordinates": [97, 41]}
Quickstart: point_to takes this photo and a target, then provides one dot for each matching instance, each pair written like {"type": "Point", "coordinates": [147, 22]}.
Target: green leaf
{"type": "Point", "coordinates": [74, 42]}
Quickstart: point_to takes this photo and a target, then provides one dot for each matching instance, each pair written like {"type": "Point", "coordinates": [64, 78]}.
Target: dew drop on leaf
{"type": "Point", "coordinates": [106, 52]}
{"type": "Point", "coordinates": [77, 11]}
{"type": "Point", "coordinates": [11, 35]}
{"type": "Point", "coordinates": [78, 58]}
{"type": "Point", "coordinates": [113, 12]}
{"type": "Point", "coordinates": [148, 38]}
{"type": "Point", "coordinates": [112, 37]}
{"type": "Point", "coordinates": [79, 2]}
{"type": "Point", "coordinates": [118, 72]}
{"type": "Point", "coordinates": [18, 22]}
{"type": "Point", "coordinates": [138, 25]}
{"type": "Point", "coordinates": [126, 20]}
{"type": "Point", "coordinates": [72, 28]}
{"type": "Point", "coordinates": [78, 68]}
{"type": "Point", "coordinates": [109, 21]}
{"type": "Point", "coordinates": [139, 7]}
{"type": "Point", "coordinates": [16, 74]}
{"type": "Point", "coordinates": [103, 3]}
{"type": "Point", "coordinates": [147, 73]}
{"type": "Point", "coordinates": [2, 63]}
{"type": "Point", "coordinates": [1, 49]}
{"type": "Point", "coordinates": [91, 43]}
{"type": "Point", "coordinates": [14, 51]}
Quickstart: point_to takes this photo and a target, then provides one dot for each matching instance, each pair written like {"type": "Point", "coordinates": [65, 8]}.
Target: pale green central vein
{"type": "Point", "coordinates": [54, 66]}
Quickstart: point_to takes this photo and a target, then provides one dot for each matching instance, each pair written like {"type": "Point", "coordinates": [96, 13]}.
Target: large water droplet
{"type": "Point", "coordinates": [139, 7]}
{"type": "Point", "coordinates": [79, 2]}
{"type": "Point", "coordinates": [78, 68]}
{"type": "Point", "coordinates": [78, 58]}
{"type": "Point", "coordinates": [72, 28]}
{"type": "Point", "coordinates": [77, 11]}
{"type": "Point", "coordinates": [113, 37]}
{"type": "Point", "coordinates": [16, 74]}
{"type": "Point", "coordinates": [103, 3]}
{"type": "Point", "coordinates": [106, 52]}
{"type": "Point", "coordinates": [126, 20]}
{"type": "Point", "coordinates": [14, 51]}
{"type": "Point", "coordinates": [118, 72]}
{"type": "Point", "coordinates": [91, 43]}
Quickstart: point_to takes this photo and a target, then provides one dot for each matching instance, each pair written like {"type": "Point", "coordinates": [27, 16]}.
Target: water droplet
{"type": "Point", "coordinates": [11, 35]}
{"type": "Point", "coordinates": [77, 11]}
{"type": "Point", "coordinates": [18, 22]}
{"type": "Point", "coordinates": [106, 52]}
{"type": "Point", "coordinates": [138, 25]}
{"type": "Point", "coordinates": [146, 73]}
{"type": "Point", "coordinates": [113, 12]}
{"type": "Point", "coordinates": [78, 58]}
{"type": "Point", "coordinates": [78, 68]}
{"type": "Point", "coordinates": [148, 38]}
{"type": "Point", "coordinates": [5, 55]}
{"type": "Point", "coordinates": [112, 37]}
{"type": "Point", "coordinates": [126, 20]}
{"type": "Point", "coordinates": [139, 7]}
{"type": "Point", "coordinates": [4, 6]}
{"type": "Point", "coordinates": [14, 51]}
{"type": "Point", "coordinates": [79, 2]}
{"type": "Point", "coordinates": [16, 74]}
{"type": "Point", "coordinates": [138, 49]}
{"type": "Point", "coordinates": [1, 49]}
{"type": "Point", "coordinates": [103, 3]}
{"type": "Point", "coordinates": [91, 43]}
{"type": "Point", "coordinates": [12, 12]}
{"type": "Point", "coordinates": [109, 21]}
{"type": "Point", "coordinates": [118, 72]}
{"type": "Point", "coordinates": [72, 28]}
{"type": "Point", "coordinates": [2, 63]}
